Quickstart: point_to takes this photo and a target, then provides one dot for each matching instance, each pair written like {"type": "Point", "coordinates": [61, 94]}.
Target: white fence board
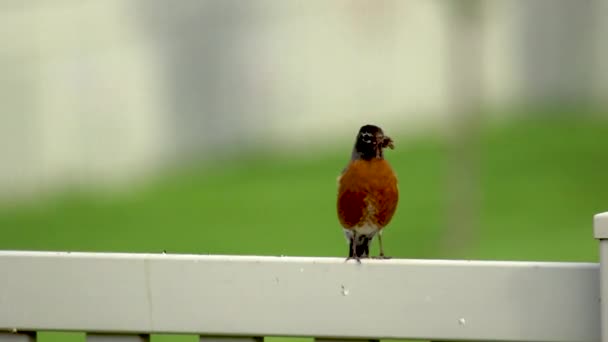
{"type": "Point", "coordinates": [296, 296]}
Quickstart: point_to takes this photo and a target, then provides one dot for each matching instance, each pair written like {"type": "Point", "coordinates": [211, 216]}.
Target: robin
{"type": "Point", "coordinates": [367, 192]}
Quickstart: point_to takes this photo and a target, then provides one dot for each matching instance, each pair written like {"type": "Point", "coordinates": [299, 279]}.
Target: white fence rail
{"type": "Point", "coordinates": [126, 297]}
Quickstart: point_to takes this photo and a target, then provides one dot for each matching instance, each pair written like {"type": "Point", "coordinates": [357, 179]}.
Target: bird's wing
{"type": "Point", "coordinates": [351, 207]}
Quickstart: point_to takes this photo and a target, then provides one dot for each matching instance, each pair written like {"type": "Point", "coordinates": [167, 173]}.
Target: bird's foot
{"type": "Point", "coordinates": [383, 257]}
{"type": "Point", "coordinates": [353, 258]}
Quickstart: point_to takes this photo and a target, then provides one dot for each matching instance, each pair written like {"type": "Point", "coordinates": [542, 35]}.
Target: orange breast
{"type": "Point", "coordinates": [367, 194]}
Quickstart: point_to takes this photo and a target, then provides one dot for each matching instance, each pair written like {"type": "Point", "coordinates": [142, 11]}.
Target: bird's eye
{"type": "Point", "coordinates": [367, 135]}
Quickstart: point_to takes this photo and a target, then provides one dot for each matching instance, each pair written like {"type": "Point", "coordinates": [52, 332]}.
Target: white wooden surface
{"type": "Point", "coordinates": [296, 296]}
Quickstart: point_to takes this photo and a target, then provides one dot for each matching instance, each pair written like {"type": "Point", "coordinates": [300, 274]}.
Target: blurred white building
{"type": "Point", "coordinates": [105, 90]}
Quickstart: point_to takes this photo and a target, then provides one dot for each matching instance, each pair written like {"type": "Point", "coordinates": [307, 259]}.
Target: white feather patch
{"type": "Point", "coordinates": [366, 229]}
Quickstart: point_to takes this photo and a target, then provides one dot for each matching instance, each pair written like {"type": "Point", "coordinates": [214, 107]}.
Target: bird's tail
{"type": "Point", "coordinates": [359, 246]}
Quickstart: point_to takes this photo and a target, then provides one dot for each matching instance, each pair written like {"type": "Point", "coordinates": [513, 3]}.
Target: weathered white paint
{"type": "Point", "coordinates": [297, 296]}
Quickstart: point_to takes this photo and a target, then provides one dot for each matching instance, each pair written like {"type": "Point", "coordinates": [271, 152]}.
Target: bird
{"type": "Point", "coordinates": [367, 192]}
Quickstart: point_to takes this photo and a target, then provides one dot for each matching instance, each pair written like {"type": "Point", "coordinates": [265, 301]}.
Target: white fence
{"type": "Point", "coordinates": [126, 297]}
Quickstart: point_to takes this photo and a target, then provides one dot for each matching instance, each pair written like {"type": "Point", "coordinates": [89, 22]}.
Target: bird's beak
{"type": "Point", "coordinates": [387, 142]}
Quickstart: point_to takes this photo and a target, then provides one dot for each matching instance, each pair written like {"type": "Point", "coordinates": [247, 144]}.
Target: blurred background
{"type": "Point", "coordinates": [220, 126]}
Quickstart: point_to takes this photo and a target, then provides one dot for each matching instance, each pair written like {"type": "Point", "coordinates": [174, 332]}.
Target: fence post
{"type": "Point", "coordinates": [600, 231]}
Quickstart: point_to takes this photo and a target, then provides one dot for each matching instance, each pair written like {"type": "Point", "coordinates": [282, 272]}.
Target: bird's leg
{"type": "Point", "coordinates": [354, 258]}
{"type": "Point", "coordinates": [381, 256]}
{"type": "Point", "coordinates": [352, 250]}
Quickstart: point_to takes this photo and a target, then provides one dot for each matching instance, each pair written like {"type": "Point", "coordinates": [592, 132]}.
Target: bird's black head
{"type": "Point", "coordinates": [370, 142]}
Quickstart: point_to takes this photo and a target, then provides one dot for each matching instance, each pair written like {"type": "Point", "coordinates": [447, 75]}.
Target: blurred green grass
{"type": "Point", "coordinates": [541, 180]}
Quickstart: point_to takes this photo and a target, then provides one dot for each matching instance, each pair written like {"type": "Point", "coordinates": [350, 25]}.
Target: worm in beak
{"type": "Point", "coordinates": [388, 142]}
